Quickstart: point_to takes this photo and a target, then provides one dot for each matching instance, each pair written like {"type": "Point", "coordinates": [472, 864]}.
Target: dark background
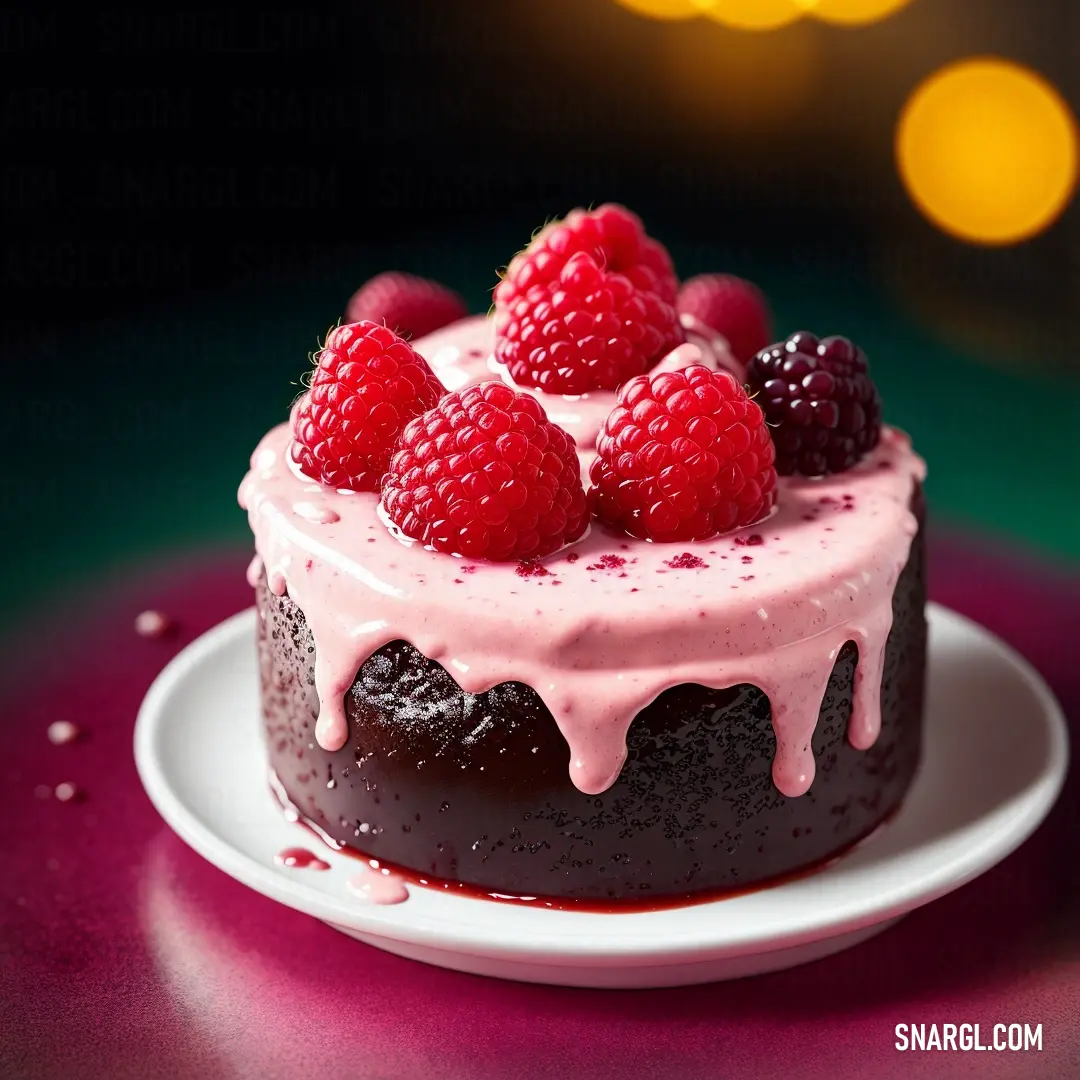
{"type": "Point", "coordinates": [191, 194]}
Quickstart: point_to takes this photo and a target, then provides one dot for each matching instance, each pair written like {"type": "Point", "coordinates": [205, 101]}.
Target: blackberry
{"type": "Point", "coordinates": [819, 400]}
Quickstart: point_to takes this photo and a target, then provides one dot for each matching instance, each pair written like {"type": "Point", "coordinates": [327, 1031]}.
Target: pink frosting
{"type": "Point", "coordinates": [601, 628]}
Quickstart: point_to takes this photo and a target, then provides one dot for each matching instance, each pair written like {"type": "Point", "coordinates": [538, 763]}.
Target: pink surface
{"type": "Point", "coordinates": [124, 954]}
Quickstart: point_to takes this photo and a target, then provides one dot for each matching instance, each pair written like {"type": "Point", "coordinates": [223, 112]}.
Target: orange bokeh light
{"type": "Point", "coordinates": [714, 81]}
{"type": "Point", "coordinates": [851, 12]}
{"type": "Point", "coordinates": [737, 14]}
{"type": "Point", "coordinates": [988, 151]}
{"type": "Point", "coordinates": [663, 9]}
{"type": "Point", "coordinates": [751, 14]}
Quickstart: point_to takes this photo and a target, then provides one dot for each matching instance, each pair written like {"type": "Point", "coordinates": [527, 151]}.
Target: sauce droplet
{"type": "Point", "coordinates": [377, 885]}
{"type": "Point", "coordinates": [300, 859]}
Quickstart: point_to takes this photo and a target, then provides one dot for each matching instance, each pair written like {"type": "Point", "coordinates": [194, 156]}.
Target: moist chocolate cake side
{"type": "Point", "coordinates": [474, 788]}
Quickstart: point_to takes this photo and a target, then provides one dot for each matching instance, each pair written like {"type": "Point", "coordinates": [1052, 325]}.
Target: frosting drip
{"type": "Point", "coordinates": [254, 571]}
{"type": "Point", "coordinates": [599, 629]}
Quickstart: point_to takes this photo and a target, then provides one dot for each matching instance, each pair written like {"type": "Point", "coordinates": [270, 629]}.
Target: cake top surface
{"type": "Point", "coordinates": [464, 353]}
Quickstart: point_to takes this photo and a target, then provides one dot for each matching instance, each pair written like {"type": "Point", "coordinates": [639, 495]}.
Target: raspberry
{"type": "Point", "coordinates": [590, 329]}
{"type": "Point", "coordinates": [819, 398]}
{"type": "Point", "coordinates": [732, 307]}
{"type": "Point", "coordinates": [684, 455]}
{"type": "Point", "coordinates": [368, 384]}
{"type": "Point", "coordinates": [486, 475]}
{"type": "Point", "coordinates": [411, 306]}
{"type": "Point", "coordinates": [612, 235]}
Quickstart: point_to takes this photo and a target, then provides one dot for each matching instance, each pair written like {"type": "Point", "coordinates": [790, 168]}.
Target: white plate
{"type": "Point", "coordinates": [995, 757]}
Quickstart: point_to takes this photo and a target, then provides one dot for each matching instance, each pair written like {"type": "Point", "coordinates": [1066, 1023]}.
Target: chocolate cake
{"type": "Point", "coordinates": [475, 789]}
{"type": "Point", "coordinates": [623, 701]}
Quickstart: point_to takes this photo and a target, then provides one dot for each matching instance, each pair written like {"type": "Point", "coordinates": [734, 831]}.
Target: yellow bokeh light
{"type": "Point", "coordinates": [663, 9]}
{"type": "Point", "coordinates": [713, 82]}
{"type": "Point", "coordinates": [988, 151]}
{"type": "Point", "coordinates": [751, 14]}
{"type": "Point", "coordinates": [851, 12]}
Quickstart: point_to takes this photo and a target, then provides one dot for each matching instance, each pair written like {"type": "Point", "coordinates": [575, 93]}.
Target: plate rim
{"type": "Point", "coordinates": [583, 946]}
